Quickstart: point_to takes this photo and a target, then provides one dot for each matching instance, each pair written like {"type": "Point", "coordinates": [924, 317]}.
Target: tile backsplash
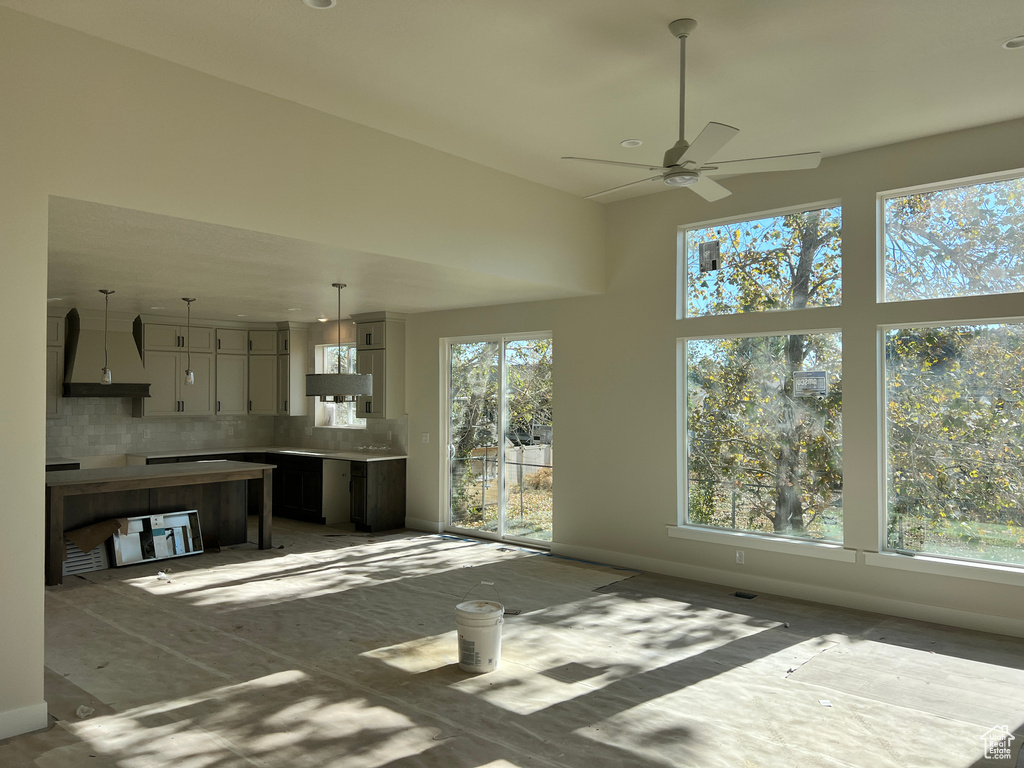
{"type": "Point", "coordinates": [105, 427]}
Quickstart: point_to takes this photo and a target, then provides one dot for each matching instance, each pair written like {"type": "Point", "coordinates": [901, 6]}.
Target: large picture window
{"type": "Point", "coordinates": [764, 434]}
{"type": "Point", "coordinates": [762, 411]}
{"type": "Point", "coordinates": [955, 440]}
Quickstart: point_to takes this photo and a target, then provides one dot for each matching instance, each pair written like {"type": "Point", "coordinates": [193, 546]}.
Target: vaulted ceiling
{"type": "Point", "coordinates": [516, 85]}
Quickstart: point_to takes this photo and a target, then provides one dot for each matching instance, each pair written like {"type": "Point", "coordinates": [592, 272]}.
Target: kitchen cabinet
{"type": "Point", "coordinates": [168, 393]}
{"type": "Point", "coordinates": [54, 381]}
{"type": "Point", "coordinates": [370, 335]}
{"type": "Point", "coordinates": [369, 494]}
{"type": "Point", "coordinates": [380, 352]}
{"type": "Point", "coordinates": [175, 338]}
{"type": "Point", "coordinates": [378, 495]}
{"type": "Point", "coordinates": [54, 366]}
{"type": "Point", "coordinates": [262, 342]}
{"type": "Point", "coordinates": [232, 341]}
{"type": "Point", "coordinates": [263, 385]}
{"type": "Point", "coordinates": [232, 384]}
{"type": "Point", "coordinates": [310, 488]}
{"type": "Point", "coordinates": [291, 372]}
{"type": "Point", "coordinates": [55, 331]}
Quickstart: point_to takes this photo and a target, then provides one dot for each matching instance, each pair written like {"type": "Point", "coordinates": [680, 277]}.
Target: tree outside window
{"type": "Point", "coordinates": [764, 412]}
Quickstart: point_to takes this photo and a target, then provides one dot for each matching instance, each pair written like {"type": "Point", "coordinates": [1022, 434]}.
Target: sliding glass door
{"type": "Point", "coordinates": [500, 454]}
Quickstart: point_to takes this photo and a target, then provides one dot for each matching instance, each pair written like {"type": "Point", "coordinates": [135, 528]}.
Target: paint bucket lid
{"type": "Point", "coordinates": [479, 609]}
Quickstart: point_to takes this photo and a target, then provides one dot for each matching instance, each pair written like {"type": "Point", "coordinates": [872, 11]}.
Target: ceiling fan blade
{"type": "Point", "coordinates": [616, 162]}
{"type": "Point", "coordinates": [798, 162]}
{"type": "Point", "coordinates": [708, 143]}
{"type": "Point", "coordinates": [710, 189]}
{"type": "Point", "coordinates": [623, 186]}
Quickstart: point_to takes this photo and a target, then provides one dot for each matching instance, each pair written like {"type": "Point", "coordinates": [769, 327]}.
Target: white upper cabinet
{"type": "Point", "coordinates": [380, 351]}
{"type": "Point", "coordinates": [262, 342]}
{"type": "Point", "coordinates": [175, 338]}
{"type": "Point", "coordinates": [232, 385]}
{"type": "Point", "coordinates": [232, 341]}
{"type": "Point", "coordinates": [263, 385]}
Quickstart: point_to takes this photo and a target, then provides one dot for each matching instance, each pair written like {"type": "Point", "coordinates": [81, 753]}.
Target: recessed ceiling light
{"type": "Point", "coordinates": [55, 299]}
{"type": "Point", "coordinates": [322, 319]}
{"type": "Point", "coordinates": [241, 315]}
{"type": "Point", "coordinates": [156, 307]}
{"type": "Point", "coordinates": [631, 143]}
{"type": "Point", "coordinates": [321, 5]}
{"type": "Point", "coordinates": [1014, 43]}
{"type": "Point", "coordinates": [294, 309]}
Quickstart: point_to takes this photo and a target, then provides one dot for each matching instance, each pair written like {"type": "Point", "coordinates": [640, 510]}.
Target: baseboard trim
{"type": "Point", "coordinates": [15, 722]}
{"type": "Point", "coordinates": [983, 622]}
{"type": "Point", "coordinates": [417, 524]}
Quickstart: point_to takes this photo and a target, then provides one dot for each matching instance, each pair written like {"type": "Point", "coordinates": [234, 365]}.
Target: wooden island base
{"type": "Point", "coordinates": [217, 489]}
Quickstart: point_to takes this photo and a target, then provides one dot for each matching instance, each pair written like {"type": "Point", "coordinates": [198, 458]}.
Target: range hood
{"type": "Point", "coordinates": [83, 357]}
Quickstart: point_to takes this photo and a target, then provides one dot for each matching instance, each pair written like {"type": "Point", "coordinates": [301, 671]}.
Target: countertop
{"type": "Point", "coordinates": [171, 472]}
{"type": "Point", "coordinates": [140, 458]}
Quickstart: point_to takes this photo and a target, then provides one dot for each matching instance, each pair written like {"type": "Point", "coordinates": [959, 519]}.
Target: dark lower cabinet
{"type": "Point", "coordinates": [298, 487]}
{"type": "Point", "coordinates": [378, 495]}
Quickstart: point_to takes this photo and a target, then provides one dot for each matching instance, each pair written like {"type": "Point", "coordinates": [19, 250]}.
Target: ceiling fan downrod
{"type": "Point", "coordinates": [681, 28]}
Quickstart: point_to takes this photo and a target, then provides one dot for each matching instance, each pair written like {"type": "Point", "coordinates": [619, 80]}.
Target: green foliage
{"type": "Point", "coordinates": [756, 451]}
{"type": "Point", "coordinates": [956, 439]}
{"type": "Point", "coordinates": [480, 432]}
{"type": "Point", "coordinates": [760, 458]}
{"type": "Point", "coordinates": [783, 262]}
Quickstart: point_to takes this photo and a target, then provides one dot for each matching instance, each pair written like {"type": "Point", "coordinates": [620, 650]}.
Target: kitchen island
{"type": "Point", "coordinates": [217, 489]}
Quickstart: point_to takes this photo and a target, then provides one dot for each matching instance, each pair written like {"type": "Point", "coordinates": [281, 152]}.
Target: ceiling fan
{"type": "Point", "coordinates": [690, 165]}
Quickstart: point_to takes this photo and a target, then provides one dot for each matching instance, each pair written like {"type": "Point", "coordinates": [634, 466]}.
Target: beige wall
{"type": "Point", "coordinates": [615, 388]}
{"type": "Point", "coordinates": [85, 119]}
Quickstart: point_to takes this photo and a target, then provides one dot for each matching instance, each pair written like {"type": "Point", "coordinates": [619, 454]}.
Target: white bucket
{"type": "Point", "coordinates": [479, 626]}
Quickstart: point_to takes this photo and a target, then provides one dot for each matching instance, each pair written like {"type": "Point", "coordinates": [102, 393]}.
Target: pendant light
{"type": "Point", "coordinates": [105, 378]}
{"type": "Point", "coordinates": [190, 377]}
{"type": "Point", "coordinates": [340, 386]}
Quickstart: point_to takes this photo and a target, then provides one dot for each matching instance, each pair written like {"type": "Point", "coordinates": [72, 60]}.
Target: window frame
{"type": "Point", "coordinates": [925, 313]}
{"type": "Point", "coordinates": [884, 551]}
{"type": "Point", "coordinates": [445, 433]}
{"type": "Point", "coordinates": [682, 270]}
{"type": "Point", "coordinates": [935, 186]}
{"type": "Point", "coordinates": [701, 531]}
{"type": "Point", "coordinates": [777, 322]}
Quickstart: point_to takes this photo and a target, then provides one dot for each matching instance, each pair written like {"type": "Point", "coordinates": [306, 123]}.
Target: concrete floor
{"type": "Point", "coordinates": [339, 649]}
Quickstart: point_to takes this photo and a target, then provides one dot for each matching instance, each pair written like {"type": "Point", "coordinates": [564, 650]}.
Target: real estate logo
{"type": "Point", "coordinates": [997, 743]}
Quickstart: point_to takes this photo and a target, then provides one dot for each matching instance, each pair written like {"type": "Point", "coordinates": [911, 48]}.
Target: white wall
{"type": "Point", "coordinates": [615, 388]}
{"type": "Point", "coordinates": [86, 119]}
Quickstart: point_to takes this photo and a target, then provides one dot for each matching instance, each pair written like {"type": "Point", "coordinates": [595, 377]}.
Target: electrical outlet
{"type": "Point", "coordinates": [739, 556]}
{"type": "Point", "coordinates": [424, 437]}
{"type": "Point", "coordinates": [231, 430]}
{"type": "Point", "coordinates": [145, 434]}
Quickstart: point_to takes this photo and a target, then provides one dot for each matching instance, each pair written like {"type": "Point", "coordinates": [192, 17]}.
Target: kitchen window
{"type": "Point", "coordinates": [328, 412]}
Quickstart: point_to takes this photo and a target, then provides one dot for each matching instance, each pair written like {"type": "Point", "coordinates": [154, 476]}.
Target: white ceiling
{"type": "Point", "coordinates": [516, 84]}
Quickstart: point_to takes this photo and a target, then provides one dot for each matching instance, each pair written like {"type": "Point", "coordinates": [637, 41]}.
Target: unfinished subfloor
{"type": "Point", "coordinates": [339, 649]}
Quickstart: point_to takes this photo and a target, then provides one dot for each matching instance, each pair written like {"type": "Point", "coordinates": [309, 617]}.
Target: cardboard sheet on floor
{"type": "Point", "coordinates": [91, 536]}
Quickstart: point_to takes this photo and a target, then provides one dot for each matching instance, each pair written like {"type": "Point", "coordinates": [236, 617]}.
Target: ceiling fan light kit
{"type": "Point", "coordinates": [688, 164]}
